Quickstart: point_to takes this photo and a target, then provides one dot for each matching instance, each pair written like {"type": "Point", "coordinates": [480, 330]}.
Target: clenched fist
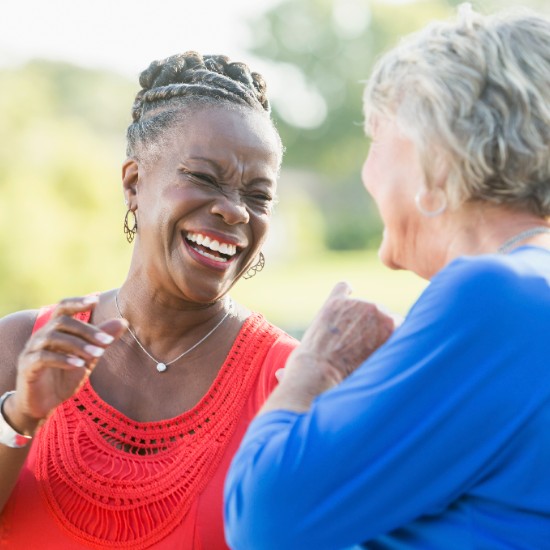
{"type": "Point", "coordinates": [343, 334]}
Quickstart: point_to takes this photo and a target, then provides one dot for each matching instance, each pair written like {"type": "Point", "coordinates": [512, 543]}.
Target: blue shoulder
{"type": "Point", "coordinates": [488, 286]}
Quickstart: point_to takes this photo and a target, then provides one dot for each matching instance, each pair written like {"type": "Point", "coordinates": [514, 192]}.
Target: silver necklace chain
{"type": "Point", "coordinates": [162, 366]}
{"type": "Point", "coordinates": [507, 245]}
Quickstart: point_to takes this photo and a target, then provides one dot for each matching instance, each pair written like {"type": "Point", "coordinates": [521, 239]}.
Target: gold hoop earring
{"type": "Point", "coordinates": [420, 196]}
{"type": "Point", "coordinates": [256, 268]}
{"type": "Point", "coordinates": [130, 232]}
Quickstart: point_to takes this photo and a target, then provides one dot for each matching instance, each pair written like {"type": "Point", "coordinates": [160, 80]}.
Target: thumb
{"type": "Point", "coordinates": [340, 290]}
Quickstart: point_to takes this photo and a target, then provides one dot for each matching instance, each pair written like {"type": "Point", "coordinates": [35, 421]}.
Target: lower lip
{"type": "Point", "coordinates": [208, 262]}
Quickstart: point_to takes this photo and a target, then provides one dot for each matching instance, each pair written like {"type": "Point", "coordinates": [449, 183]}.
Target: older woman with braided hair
{"type": "Point", "coordinates": [121, 410]}
{"type": "Point", "coordinates": [440, 439]}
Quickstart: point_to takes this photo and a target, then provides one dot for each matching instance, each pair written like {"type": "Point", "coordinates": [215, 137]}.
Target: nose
{"type": "Point", "coordinates": [231, 208]}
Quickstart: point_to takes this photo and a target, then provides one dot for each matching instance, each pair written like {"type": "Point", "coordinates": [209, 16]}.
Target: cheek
{"type": "Point", "coordinates": [370, 173]}
{"type": "Point", "coordinates": [261, 225]}
{"type": "Point", "coordinates": [374, 184]}
{"type": "Point", "coordinates": [365, 174]}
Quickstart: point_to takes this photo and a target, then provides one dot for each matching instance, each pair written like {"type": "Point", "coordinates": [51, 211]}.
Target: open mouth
{"type": "Point", "coordinates": [211, 248]}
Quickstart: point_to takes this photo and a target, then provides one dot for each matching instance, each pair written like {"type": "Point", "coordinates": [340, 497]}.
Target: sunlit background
{"type": "Point", "coordinates": [68, 74]}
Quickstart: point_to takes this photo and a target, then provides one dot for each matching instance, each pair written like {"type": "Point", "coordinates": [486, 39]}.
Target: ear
{"type": "Point", "coordinates": [130, 178]}
{"type": "Point", "coordinates": [439, 170]}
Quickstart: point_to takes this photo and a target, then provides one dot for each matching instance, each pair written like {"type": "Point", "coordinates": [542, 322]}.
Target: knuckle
{"type": "Point", "coordinates": [68, 301]}
{"type": "Point", "coordinates": [27, 360]}
{"type": "Point", "coordinates": [28, 346]}
{"type": "Point", "coordinates": [41, 341]}
{"type": "Point", "coordinates": [54, 324]}
{"type": "Point", "coordinates": [35, 343]}
{"type": "Point", "coordinates": [41, 356]}
{"type": "Point", "coordinates": [63, 305]}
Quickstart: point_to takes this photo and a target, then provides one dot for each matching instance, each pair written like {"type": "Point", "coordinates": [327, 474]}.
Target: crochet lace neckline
{"type": "Point", "coordinates": [113, 482]}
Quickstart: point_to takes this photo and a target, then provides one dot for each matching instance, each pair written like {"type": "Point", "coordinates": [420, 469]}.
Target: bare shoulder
{"type": "Point", "coordinates": [15, 330]}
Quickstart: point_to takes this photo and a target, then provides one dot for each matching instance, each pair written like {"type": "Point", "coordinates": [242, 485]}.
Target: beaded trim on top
{"type": "Point", "coordinates": [112, 482]}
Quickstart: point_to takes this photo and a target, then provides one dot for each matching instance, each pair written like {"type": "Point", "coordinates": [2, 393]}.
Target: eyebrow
{"type": "Point", "coordinates": [204, 159]}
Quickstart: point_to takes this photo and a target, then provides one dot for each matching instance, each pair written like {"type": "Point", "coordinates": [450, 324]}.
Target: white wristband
{"type": "Point", "coordinates": [8, 436]}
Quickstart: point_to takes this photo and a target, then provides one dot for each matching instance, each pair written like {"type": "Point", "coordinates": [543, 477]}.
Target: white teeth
{"type": "Point", "coordinates": [229, 249]}
{"type": "Point", "coordinates": [212, 257]}
{"type": "Point", "coordinates": [216, 246]}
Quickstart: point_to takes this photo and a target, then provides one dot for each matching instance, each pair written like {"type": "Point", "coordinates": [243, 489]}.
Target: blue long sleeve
{"type": "Point", "coordinates": [439, 440]}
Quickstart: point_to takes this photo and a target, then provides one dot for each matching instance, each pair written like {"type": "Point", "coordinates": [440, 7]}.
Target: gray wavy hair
{"type": "Point", "coordinates": [474, 94]}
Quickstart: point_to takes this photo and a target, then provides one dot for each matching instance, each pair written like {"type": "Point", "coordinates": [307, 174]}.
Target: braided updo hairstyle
{"type": "Point", "coordinates": [172, 86]}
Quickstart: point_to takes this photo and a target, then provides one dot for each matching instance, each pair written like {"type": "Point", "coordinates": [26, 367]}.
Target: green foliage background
{"type": "Point", "coordinates": [335, 60]}
{"type": "Point", "coordinates": [61, 208]}
{"type": "Point", "coordinates": [62, 133]}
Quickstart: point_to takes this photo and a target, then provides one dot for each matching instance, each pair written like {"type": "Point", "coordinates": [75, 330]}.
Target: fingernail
{"type": "Point", "coordinates": [104, 338]}
{"type": "Point", "coordinates": [90, 300]}
{"type": "Point", "coordinates": [94, 351]}
{"type": "Point", "coordinates": [76, 361]}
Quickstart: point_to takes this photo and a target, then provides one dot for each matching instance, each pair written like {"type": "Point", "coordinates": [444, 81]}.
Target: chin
{"type": "Point", "coordinates": [389, 259]}
{"type": "Point", "coordinates": [386, 255]}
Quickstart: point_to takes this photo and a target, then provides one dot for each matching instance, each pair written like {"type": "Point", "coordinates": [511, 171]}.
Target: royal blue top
{"type": "Point", "coordinates": [440, 440]}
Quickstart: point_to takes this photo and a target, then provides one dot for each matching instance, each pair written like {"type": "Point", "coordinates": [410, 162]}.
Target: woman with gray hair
{"type": "Point", "coordinates": [440, 438]}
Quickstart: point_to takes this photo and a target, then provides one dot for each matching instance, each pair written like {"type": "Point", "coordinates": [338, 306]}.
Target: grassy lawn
{"type": "Point", "coordinates": [289, 294]}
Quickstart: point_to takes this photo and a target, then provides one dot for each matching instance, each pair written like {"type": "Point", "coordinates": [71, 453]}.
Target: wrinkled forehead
{"type": "Point", "coordinates": [202, 123]}
{"type": "Point", "coordinates": [226, 137]}
{"type": "Point", "coordinates": [240, 124]}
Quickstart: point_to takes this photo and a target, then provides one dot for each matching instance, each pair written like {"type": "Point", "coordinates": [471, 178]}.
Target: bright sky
{"type": "Point", "coordinates": [124, 35]}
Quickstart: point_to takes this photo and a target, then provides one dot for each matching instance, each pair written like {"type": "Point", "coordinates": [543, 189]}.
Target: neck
{"type": "Point", "coordinates": [163, 322]}
{"type": "Point", "coordinates": [478, 228]}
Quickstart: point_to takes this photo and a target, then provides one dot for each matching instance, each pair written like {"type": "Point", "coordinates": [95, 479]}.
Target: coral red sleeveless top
{"type": "Point", "coordinates": [94, 478]}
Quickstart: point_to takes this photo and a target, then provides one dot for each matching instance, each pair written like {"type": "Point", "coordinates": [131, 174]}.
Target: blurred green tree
{"type": "Point", "coordinates": [324, 50]}
{"type": "Point", "coordinates": [62, 131]}
{"type": "Point", "coordinates": [62, 136]}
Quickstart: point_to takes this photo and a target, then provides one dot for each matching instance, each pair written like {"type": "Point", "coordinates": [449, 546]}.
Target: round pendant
{"type": "Point", "coordinates": [161, 367]}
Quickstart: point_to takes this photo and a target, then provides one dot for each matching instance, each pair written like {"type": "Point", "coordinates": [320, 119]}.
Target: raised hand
{"type": "Point", "coordinates": [56, 361]}
{"type": "Point", "coordinates": [343, 334]}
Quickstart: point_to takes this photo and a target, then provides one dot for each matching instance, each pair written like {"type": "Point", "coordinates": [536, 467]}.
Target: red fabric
{"type": "Point", "coordinates": [96, 479]}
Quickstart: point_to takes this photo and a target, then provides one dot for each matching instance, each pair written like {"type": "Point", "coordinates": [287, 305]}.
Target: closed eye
{"type": "Point", "coordinates": [263, 197]}
{"type": "Point", "coordinates": [260, 201]}
{"type": "Point", "coordinates": [200, 177]}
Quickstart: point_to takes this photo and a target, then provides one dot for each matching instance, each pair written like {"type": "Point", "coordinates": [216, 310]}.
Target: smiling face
{"type": "Point", "coordinates": [204, 204]}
